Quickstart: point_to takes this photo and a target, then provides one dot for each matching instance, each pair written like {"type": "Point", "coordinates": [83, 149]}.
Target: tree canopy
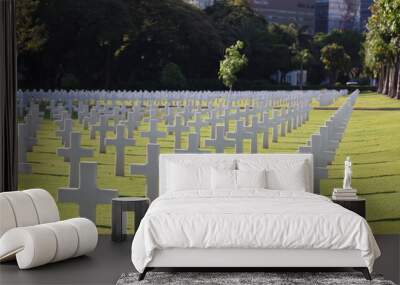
{"type": "Point", "coordinates": [127, 44]}
{"type": "Point", "coordinates": [335, 60]}
{"type": "Point", "coordinates": [382, 47]}
{"type": "Point", "coordinates": [232, 64]}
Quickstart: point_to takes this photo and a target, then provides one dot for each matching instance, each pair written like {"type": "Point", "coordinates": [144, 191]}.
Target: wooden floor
{"type": "Point", "coordinates": [110, 260]}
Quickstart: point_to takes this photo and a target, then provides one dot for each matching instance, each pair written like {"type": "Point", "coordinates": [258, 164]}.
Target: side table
{"type": "Point", "coordinates": [357, 206]}
{"type": "Point", "coordinates": [119, 208]}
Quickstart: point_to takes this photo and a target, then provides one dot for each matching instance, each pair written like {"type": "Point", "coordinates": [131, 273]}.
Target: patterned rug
{"type": "Point", "coordinates": [253, 278]}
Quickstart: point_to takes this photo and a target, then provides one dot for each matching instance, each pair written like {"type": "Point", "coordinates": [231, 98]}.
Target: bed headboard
{"type": "Point", "coordinates": [165, 158]}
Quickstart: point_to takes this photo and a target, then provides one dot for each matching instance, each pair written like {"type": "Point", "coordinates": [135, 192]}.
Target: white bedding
{"type": "Point", "coordinates": [250, 218]}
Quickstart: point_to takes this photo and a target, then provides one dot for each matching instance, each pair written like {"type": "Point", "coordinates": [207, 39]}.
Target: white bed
{"type": "Point", "coordinates": [250, 227]}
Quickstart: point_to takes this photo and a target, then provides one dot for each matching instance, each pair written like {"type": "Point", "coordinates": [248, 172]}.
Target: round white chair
{"type": "Point", "coordinates": [31, 231]}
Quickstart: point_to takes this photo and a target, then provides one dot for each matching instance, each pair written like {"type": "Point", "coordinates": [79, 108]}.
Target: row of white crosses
{"type": "Point", "coordinates": [282, 122]}
{"type": "Point", "coordinates": [150, 169]}
{"type": "Point", "coordinates": [65, 123]}
{"type": "Point", "coordinates": [85, 191]}
{"type": "Point", "coordinates": [27, 137]}
{"type": "Point", "coordinates": [134, 120]}
{"type": "Point", "coordinates": [283, 119]}
{"type": "Point", "coordinates": [82, 188]}
{"type": "Point", "coordinates": [327, 98]}
{"type": "Point", "coordinates": [177, 98]}
{"type": "Point", "coordinates": [324, 143]}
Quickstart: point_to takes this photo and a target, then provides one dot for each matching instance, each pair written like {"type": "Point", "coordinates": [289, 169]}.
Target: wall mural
{"type": "Point", "coordinates": [86, 147]}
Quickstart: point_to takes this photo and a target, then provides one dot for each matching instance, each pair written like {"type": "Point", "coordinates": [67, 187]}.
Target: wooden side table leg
{"type": "Point", "coordinates": [117, 221]}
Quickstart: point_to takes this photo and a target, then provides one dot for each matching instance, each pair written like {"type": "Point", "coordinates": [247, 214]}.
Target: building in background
{"type": "Point", "coordinates": [299, 12]}
{"type": "Point", "coordinates": [202, 4]}
{"type": "Point", "coordinates": [293, 78]}
{"type": "Point", "coordinates": [321, 16]}
{"type": "Point", "coordinates": [365, 13]}
{"type": "Point", "coordinates": [337, 15]}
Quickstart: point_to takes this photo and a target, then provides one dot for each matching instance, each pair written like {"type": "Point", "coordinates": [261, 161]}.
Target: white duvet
{"type": "Point", "coordinates": [250, 219]}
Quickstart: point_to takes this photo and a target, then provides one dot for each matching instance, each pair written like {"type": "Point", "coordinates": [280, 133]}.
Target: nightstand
{"type": "Point", "coordinates": [122, 205]}
{"type": "Point", "coordinates": [357, 206]}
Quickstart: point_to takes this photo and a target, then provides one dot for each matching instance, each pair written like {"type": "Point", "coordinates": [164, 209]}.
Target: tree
{"type": "Point", "coordinates": [126, 44]}
{"type": "Point", "coordinates": [283, 38]}
{"type": "Point", "coordinates": [170, 31]}
{"type": "Point", "coordinates": [235, 20]}
{"type": "Point", "coordinates": [31, 33]}
{"type": "Point", "coordinates": [335, 60]}
{"type": "Point", "coordinates": [84, 40]}
{"type": "Point", "coordinates": [382, 49]}
{"type": "Point", "coordinates": [233, 62]}
{"type": "Point", "coordinates": [352, 43]}
{"type": "Point", "coordinates": [172, 77]}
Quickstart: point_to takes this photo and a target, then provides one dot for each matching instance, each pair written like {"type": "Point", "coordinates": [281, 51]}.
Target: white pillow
{"type": "Point", "coordinates": [282, 174]}
{"type": "Point", "coordinates": [186, 174]}
{"type": "Point", "coordinates": [223, 179]}
{"type": "Point", "coordinates": [188, 177]}
{"type": "Point", "coordinates": [251, 179]}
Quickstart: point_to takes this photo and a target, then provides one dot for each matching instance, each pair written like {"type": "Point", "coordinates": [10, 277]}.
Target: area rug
{"type": "Point", "coordinates": [253, 278]}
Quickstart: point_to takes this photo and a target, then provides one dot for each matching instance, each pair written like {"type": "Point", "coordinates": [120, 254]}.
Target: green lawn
{"type": "Point", "coordinates": [369, 100]}
{"type": "Point", "coordinates": [370, 140]}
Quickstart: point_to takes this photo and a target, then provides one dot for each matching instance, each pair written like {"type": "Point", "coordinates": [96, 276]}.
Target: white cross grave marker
{"type": "Point", "coordinates": [153, 112]}
{"type": "Point", "coordinates": [220, 143]}
{"type": "Point", "coordinates": [29, 140]}
{"type": "Point", "coordinates": [178, 129]}
{"type": "Point", "coordinates": [283, 122]}
{"type": "Point", "coordinates": [198, 124]}
{"type": "Point", "coordinates": [89, 121]}
{"type": "Point", "coordinates": [65, 132]}
{"type": "Point", "coordinates": [120, 142]}
{"type": "Point", "coordinates": [149, 170]}
{"type": "Point", "coordinates": [240, 135]}
{"type": "Point", "coordinates": [116, 116]}
{"type": "Point", "coordinates": [132, 123]}
{"type": "Point", "coordinates": [193, 146]}
{"type": "Point", "coordinates": [73, 154]}
{"type": "Point", "coordinates": [213, 121]}
{"type": "Point", "coordinates": [87, 195]}
{"type": "Point", "coordinates": [153, 134]}
{"type": "Point", "coordinates": [60, 122]}
{"type": "Point", "coordinates": [23, 166]}
{"type": "Point", "coordinates": [169, 117]}
{"type": "Point", "coordinates": [275, 131]}
{"type": "Point", "coordinates": [103, 128]}
{"type": "Point", "coordinates": [265, 128]}
{"type": "Point", "coordinates": [290, 120]}
{"type": "Point", "coordinates": [83, 111]}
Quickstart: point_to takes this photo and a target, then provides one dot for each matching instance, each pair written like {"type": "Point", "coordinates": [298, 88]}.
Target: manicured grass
{"type": "Point", "coordinates": [373, 100]}
{"type": "Point", "coordinates": [51, 172]}
{"type": "Point", "coordinates": [371, 140]}
{"type": "Point", "coordinates": [369, 100]}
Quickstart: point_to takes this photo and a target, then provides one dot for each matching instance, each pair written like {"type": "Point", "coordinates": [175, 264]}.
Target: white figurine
{"type": "Point", "coordinates": [347, 174]}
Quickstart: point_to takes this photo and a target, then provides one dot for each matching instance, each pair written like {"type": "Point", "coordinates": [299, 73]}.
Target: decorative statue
{"type": "Point", "coordinates": [347, 174]}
